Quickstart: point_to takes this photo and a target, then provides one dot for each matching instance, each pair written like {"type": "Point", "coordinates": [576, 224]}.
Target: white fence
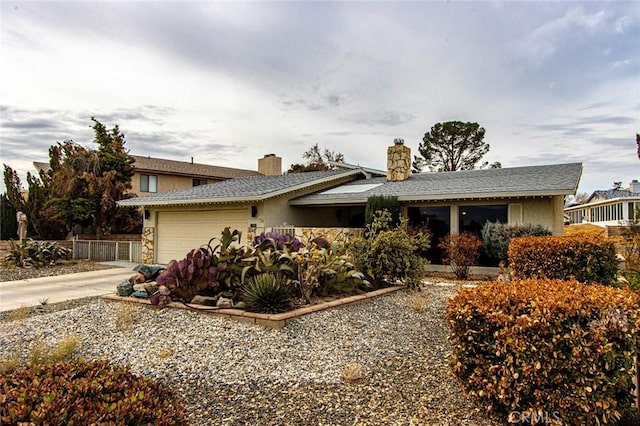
{"type": "Point", "coordinates": [130, 251]}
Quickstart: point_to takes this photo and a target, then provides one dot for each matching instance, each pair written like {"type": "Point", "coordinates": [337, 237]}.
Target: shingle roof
{"type": "Point", "coordinates": [559, 179]}
{"type": "Point", "coordinates": [610, 194]}
{"type": "Point", "coordinates": [184, 168]}
{"type": "Point", "coordinates": [249, 188]}
{"type": "Point", "coordinates": [177, 168]}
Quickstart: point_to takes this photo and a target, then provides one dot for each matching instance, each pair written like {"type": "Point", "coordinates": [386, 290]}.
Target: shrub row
{"type": "Point", "coordinates": [77, 392]}
{"type": "Point", "coordinates": [547, 347]}
{"type": "Point", "coordinates": [496, 237]}
{"type": "Point", "coordinates": [585, 259]}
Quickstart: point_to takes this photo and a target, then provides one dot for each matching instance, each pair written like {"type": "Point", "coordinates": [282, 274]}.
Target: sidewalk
{"type": "Point", "coordinates": [30, 292]}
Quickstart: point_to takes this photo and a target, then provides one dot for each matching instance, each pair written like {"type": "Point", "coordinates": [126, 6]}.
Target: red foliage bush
{"type": "Point", "coordinates": [77, 392]}
{"type": "Point", "coordinates": [461, 251]}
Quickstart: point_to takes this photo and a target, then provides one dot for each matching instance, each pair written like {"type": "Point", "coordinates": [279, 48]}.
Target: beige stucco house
{"type": "Point", "coordinates": [180, 220]}
{"type": "Point", "coordinates": [154, 175]}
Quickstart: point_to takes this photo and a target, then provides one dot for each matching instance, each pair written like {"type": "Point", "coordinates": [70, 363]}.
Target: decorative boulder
{"type": "Point", "coordinates": [224, 303]}
{"type": "Point", "coordinates": [204, 300]}
{"type": "Point", "coordinates": [125, 288]}
{"type": "Point", "coordinates": [140, 294]}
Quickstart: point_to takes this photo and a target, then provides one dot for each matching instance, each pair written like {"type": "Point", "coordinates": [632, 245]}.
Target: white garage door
{"type": "Point", "coordinates": [177, 233]}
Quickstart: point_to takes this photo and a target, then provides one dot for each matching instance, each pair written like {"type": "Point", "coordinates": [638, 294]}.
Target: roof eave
{"type": "Point", "coordinates": [245, 199]}
{"type": "Point", "coordinates": [435, 197]}
{"type": "Point", "coordinates": [484, 195]}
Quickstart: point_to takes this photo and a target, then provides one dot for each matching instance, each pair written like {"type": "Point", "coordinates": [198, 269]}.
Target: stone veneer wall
{"type": "Point", "coordinates": [147, 245]}
{"type": "Point", "coordinates": [398, 162]}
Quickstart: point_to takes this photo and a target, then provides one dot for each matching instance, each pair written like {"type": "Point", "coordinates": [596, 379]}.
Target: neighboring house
{"type": "Point", "coordinates": [153, 175]}
{"type": "Point", "coordinates": [609, 207]}
{"type": "Point", "coordinates": [178, 221]}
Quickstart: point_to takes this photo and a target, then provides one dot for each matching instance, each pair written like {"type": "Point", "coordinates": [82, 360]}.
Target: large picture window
{"type": "Point", "coordinates": [148, 183]}
{"type": "Point", "coordinates": [437, 220]}
{"type": "Point", "coordinates": [473, 218]}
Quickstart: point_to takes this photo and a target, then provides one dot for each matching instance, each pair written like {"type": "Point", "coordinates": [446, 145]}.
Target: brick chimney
{"type": "Point", "coordinates": [634, 186]}
{"type": "Point", "coordinates": [398, 161]}
{"type": "Point", "coordinates": [270, 165]}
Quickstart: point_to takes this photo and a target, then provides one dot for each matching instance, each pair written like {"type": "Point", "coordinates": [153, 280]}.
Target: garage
{"type": "Point", "coordinates": [178, 232]}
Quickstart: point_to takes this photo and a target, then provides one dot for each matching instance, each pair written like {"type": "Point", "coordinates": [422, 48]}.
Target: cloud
{"type": "Point", "coordinates": [228, 82]}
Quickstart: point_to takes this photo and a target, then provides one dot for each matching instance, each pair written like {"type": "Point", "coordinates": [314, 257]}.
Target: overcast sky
{"type": "Point", "coordinates": [227, 82]}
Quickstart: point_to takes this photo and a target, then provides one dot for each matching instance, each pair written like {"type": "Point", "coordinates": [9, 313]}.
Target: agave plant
{"type": "Point", "coordinates": [267, 293]}
{"type": "Point", "coordinates": [30, 253]}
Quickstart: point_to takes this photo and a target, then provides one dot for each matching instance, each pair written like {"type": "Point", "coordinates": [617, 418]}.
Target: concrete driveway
{"type": "Point", "coordinates": [30, 292]}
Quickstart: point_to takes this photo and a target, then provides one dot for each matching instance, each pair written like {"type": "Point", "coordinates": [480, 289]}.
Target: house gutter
{"type": "Point", "coordinates": [418, 198]}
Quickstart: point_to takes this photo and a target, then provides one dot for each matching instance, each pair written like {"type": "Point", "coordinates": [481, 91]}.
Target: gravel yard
{"type": "Point", "coordinates": [60, 268]}
{"type": "Point", "coordinates": [376, 363]}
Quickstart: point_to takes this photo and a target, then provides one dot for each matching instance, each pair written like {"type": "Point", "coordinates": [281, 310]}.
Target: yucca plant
{"type": "Point", "coordinates": [267, 293]}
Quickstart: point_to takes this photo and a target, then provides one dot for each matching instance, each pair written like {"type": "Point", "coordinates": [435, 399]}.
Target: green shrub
{"type": "Point", "coordinates": [633, 276]}
{"type": "Point", "coordinates": [379, 203]}
{"type": "Point", "coordinates": [29, 253]}
{"type": "Point", "coordinates": [391, 254]}
{"type": "Point", "coordinates": [267, 294]}
{"type": "Point", "coordinates": [325, 270]}
{"type": "Point", "coordinates": [496, 237]}
{"type": "Point", "coordinates": [547, 346]}
{"type": "Point", "coordinates": [77, 392]}
{"type": "Point", "coordinates": [8, 223]}
{"type": "Point", "coordinates": [586, 259]}
{"type": "Point", "coordinates": [460, 251]}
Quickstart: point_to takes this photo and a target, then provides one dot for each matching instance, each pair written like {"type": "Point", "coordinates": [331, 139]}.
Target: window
{"type": "Point", "coordinates": [473, 218]}
{"type": "Point", "coordinates": [148, 183]}
{"type": "Point", "coordinates": [198, 182]}
{"type": "Point", "coordinates": [437, 220]}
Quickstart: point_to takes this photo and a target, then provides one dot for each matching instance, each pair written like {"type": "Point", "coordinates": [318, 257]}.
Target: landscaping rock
{"type": "Point", "coordinates": [140, 294]}
{"type": "Point", "coordinates": [224, 303]}
{"type": "Point", "coordinates": [124, 289]}
{"type": "Point", "coordinates": [151, 287]}
{"type": "Point", "coordinates": [204, 300]}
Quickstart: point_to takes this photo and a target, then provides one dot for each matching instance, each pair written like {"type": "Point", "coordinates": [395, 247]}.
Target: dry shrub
{"type": "Point", "coordinates": [165, 353]}
{"type": "Point", "coordinates": [585, 230]}
{"type": "Point", "coordinates": [40, 353]}
{"type": "Point", "coordinates": [19, 314]}
{"type": "Point", "coordinates": [547, 346]}
{"type": "Point", "coordinates": [9, 363]}
{"type": "Point", "coordinates": [64, 348]}
{"type": "Point", "coordinates": [461, 252]}
{"type": "Point", "coordinates": [125, 315]}
{"type": "Point", "coordinates": [353, 372]}
{"type": "Point", "coordinates": [419, 302]}
{"type": "Point", "coordinates": [586, 259]}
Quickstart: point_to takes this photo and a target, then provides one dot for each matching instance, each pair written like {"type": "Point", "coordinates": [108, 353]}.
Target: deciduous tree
{"type": "Point", "coordinates": [451, 146]}
{"type": "Point", "coordinates": [317, 160]}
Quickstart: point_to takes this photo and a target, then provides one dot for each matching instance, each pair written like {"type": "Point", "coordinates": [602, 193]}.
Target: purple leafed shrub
{"type": "Point", "coordinates": [278, 241]}
{"type": "Point", "coordinates": [186, 277]}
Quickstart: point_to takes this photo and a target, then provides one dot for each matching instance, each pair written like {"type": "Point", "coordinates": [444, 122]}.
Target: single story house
{"type": "Point", "coordinates": [178, 221]}
{"type": "Point", "coordinates": [609, 207]}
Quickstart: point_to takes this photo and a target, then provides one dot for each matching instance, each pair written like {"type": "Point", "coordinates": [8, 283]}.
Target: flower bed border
{"type": "Point", "coordinates": [276, 321]}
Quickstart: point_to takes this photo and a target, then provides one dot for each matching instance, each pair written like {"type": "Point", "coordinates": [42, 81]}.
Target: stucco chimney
{"type": "Point", "coordinates": [634, 186]}
{"type": "Point", "coordinates": [270, 165]}
{"type": "Point", "coordinates": [398, 161]}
